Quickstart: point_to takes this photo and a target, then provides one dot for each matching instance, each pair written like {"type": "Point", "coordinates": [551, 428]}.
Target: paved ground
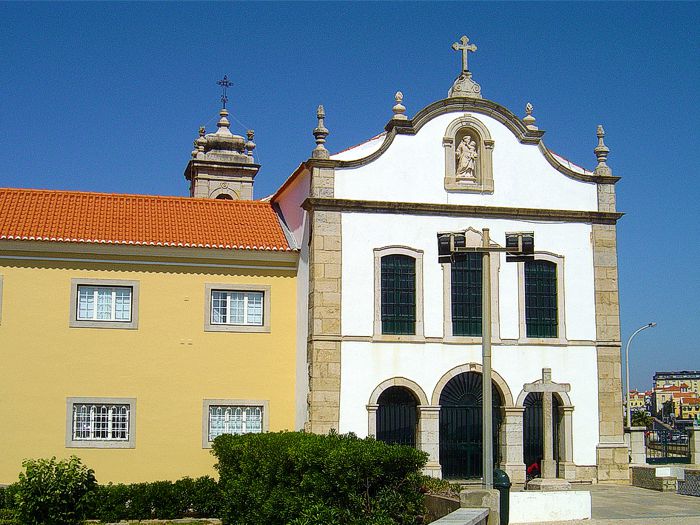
{"type": "Point", "coordinates": [626, 505]}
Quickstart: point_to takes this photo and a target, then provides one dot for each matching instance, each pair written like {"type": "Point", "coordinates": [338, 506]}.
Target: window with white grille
{"type": "Point", "coordinates": [234, 420]}
{"type": "Point", "coordinates": [100, 422]}
{"type": "Point", "coordinates": [238, 308]}
{"type": "Point", "coordinates": [104, 303]}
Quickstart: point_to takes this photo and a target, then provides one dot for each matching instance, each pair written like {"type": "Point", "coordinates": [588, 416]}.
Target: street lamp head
{"type": "Point", "coordinates": [651, 325]}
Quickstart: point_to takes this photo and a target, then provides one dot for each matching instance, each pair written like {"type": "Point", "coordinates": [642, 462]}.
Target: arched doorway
{"type": "Point", "coordinates": [461, 426]}
{"type": "Point", "coordinates": [533, 436]}
{"type": "Point", "coordinates": [397, 416]}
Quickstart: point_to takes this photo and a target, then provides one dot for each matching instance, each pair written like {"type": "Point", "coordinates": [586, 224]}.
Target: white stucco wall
{"type": "Point", "coordinates": [413, 170]}
{"type": "Point", "coordinates": [362, 232]}
{"type": "Point", "coordinates": [365, 365]}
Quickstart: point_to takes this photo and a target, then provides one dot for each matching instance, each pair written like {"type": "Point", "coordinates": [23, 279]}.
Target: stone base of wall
{"type": "Point", "coordinates": [434, 470]}
{"type": "Point", "coordinates": [587, 473]}
{"type": "Point", "coordinates": [613, 463]}
{"type": "Point", "coordinates": [690, 485]}
{"type": "Point", "coordinates": [646, 478]}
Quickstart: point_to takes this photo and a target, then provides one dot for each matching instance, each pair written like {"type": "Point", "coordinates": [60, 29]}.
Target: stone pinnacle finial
{"type": "Point", "coordinates": [464, 86]}
{"type": "Point", "coordinates": [399, 109]}
{"type": "Point", "coordinates": [199, 142]}
{"type": "Point", "coordinates": [320, 133]}
{"type": "Point", "coordinates": [528, 119]}
{"type": "Point", "coordinates": [250, 145]}
{"type": "Point", "coordinates": [601, 152]}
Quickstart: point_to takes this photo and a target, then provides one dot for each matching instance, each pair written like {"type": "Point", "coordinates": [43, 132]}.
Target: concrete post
{"type": "Point", "coordinates": [638, 452]}
{"type": "Point", "coordinates": [429, 438]}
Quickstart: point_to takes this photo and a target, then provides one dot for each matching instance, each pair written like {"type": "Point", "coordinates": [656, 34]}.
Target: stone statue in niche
{"type": "Point", "coordinates": [466, 156]}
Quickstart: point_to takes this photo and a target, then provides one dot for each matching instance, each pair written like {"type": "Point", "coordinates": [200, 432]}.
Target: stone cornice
{"type": "Point", "coordinates": [420, 208]}
{"type": "Point", "coordinates": [482, 106]}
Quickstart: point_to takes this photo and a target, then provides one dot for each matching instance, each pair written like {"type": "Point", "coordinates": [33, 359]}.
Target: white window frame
{"type": "Point", "coordinates": [114, 284]}
{"type": "Point", "coordinates": [210, 326]}
{"type": "Point", "coordinates": [208, 404]}
{"type": "Point", "coordinates": [561, 339]}
{"type": "Point", "coordinates": [73, 402]}
{"type": "Point", "coordinates": [418, 256]}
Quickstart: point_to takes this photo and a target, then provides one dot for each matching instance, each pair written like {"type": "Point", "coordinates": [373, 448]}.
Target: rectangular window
{"type": "Point", "coordinates": [541, 317]}
{"type": "Point", "coordinates": [103, 422]}
{"type": "Point", "coordinates": [398, 295]}
{"type": "Point", "coordinates": [104, 303]}
{"type": "Point", "coordinates": [234, 420]}
{"type": "Point", "coordinates": [100, 422]}
{"type": "Point", "coordinates": [466, 294]}
{"type": "Point", "coordinates": [237, 307]}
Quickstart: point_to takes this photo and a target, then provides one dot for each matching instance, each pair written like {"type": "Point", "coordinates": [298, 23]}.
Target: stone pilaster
{"type": "Point", "coordinates": [429, 438]}
{"type": "Point", "coordinates": [611, 454]}
{"type": "Point", "coordinates": [323, 350]}
{"type": "Point", "coordinates": [511, 444]}
{"type": "Point", "coordinates": [567, 467]}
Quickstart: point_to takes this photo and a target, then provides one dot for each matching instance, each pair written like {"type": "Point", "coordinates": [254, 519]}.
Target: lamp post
{"type": "Point", "coordinates": [519, 247]}
{"type": "Point", "coordinates": [627, 369]}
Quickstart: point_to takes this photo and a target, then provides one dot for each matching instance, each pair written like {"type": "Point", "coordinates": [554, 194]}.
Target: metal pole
{"type": "Point", "coordinates": [627, 370]}
{"type": "Point", "coordinates": [487, 431]}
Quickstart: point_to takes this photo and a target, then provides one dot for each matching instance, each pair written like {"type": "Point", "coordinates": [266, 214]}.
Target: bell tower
{"type": "Point", "coordinates": [222, 164]}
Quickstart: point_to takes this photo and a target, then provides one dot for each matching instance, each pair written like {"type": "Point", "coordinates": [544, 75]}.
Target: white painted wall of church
{"type": "Point", "coordinates": [365, 365]}
{"type": "Point", "coordinates": [412, 169]}
{"type": "Point", "coordinates": [364, 232]}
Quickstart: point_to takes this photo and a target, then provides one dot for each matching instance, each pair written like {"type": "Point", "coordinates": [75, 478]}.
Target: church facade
{"type": "Point", "coordinates": [393, 338]}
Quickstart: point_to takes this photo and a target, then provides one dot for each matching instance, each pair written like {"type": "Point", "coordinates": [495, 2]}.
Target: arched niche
{"type": "Point", "coordinates": [468, 156]}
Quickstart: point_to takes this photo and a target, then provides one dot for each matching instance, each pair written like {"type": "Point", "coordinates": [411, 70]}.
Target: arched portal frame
{"type": "Point", "coordinates": [567, 467]}
{"type": "Point", "coordinates": [427, 425]}
{"type": "Point", "coordinates": [497, 379]}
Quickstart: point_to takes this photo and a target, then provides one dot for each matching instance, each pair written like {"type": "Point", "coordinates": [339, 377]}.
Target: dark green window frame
{"type": "Point", "coordinates": [398, 293]}
{"type": "Point", "coordinates": [541, 308]}
{"type": "Point", "coordinates": [466, 294]}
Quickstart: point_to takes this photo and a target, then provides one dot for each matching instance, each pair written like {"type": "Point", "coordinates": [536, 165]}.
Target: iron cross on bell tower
{"type": "Point", "coordinates": [225, 83]}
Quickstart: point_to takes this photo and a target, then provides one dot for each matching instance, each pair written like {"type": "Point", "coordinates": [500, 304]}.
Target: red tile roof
{"type": "Point", "coordinates": [71, 216]}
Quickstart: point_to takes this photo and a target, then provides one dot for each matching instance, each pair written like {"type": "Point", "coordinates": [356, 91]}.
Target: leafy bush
{"type": "Point", "coordinates": [56, 492]}
{"type": "Point", "coordinates": [440, 487]}
{"type": "Point", "coordinates": [158, 500]}
{"type": "Point", "coordinates": [308, 479]}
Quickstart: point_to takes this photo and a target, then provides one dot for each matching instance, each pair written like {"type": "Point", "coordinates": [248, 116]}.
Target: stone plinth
{"type": "Point", "coordinates": [548, 485]}
{"type": "Point", "coordinates": [694, 438]}
{"type": "Point", "coordinates": [485, 499]}
{"type": "Point", "coordinates": [543, 507]}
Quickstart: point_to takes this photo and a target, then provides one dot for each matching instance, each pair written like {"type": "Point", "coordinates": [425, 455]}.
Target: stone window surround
{"type": "Point", "coordinates": [210, 327]}
{"type": "Point", "coordinates": [561, 319]}
{"type": "Point", "coordinates": [484, 183]}
{"type": "Point", "coordinates": [418, 256]}
{"type": "Point", "coordinates": [206, 403]}
{"type": "Point", "coordinates": [84, 443]}
{"type": "Point", "coordinates": [74, 322]}
{"type": "Point", "coordinates": [472, 241]}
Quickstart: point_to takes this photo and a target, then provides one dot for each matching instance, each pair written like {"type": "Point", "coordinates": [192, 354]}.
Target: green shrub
{"type": "Point", "coordinates": [55, 492]}
{"type": "Point", "coordinates": [308, 479]}
{"type": "Point", "coordinates": [158, 500]}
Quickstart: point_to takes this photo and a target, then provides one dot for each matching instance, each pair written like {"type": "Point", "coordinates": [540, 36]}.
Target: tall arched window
{"type": "Point", "coordinates": [541, 308]}
{"type": "Point", "coordinates": [398, 284]}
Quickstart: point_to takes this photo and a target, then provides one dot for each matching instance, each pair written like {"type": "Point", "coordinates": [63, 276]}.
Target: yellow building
{"type": "Point", "coordinates": [134, 329]}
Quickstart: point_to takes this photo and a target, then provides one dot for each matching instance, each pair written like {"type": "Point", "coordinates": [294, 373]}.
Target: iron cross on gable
{"type": "Point", "coordinates": [464, 47]}
{"type": "Point", "coordinates": [225, 83]}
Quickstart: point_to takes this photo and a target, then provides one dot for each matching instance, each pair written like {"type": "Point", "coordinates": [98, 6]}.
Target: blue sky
{"type": "Point", "coordinates": [108, 97]}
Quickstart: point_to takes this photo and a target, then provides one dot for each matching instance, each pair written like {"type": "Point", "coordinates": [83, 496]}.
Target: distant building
{"type": "Point", "coordinates": [637, 401]}
{"type": "Point", "coordinates": [690, 377]}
